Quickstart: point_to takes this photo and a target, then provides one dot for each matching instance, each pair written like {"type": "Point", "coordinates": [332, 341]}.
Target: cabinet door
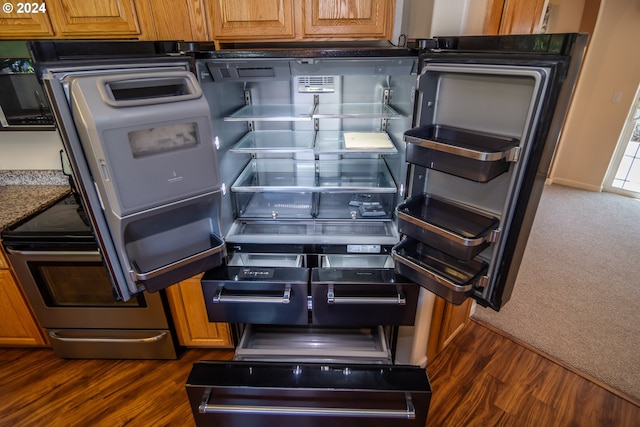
{"type": "Point", "coordinates": [250, 19]}
{"type": "Point", "coordinates": [448, 319]}
{"type": "Point", "coordinates": [18, 325]}
{"type": "Point", "coordinates": [174, 20]}
{"type": "Point", "coordinates": [24, 26]}
{"type": "Point", "coordinates": [513, 16]}
{"type": "Point", "coordinates": [97, 18]}
{"type": "Point", "coordinates": [348, 18]}
{"type": "Point", "coordinates": [190, 317]}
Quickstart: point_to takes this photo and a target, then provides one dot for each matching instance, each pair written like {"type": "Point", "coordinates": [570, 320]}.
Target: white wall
{"type": "Point", "coordinates": [430, 18]}
{"type": "Point", "coordinates": [30, 150]}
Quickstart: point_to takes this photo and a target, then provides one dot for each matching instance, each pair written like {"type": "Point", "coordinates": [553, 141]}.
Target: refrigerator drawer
{"type": "Point", "coordinates": [472, 155]}
{"type": "Point", "coordinates": [313, 344]}
{"type": "Point", "coordinates": [238, 394]}
{"type": "Point", "coordinates": [260, 295]}
{"type": "Point", "coordinates": [446, 226]}
{"type": "Point", "coordinates": [362, 297]}
{"type": "Point", "coordinates": [445, 276]}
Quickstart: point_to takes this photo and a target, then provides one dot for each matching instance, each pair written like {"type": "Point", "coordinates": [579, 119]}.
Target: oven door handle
{"type": "Point", "coordinates": [218, 297]}
{"type": "Point", "coordinates": [206, 408]}
{"type": "Point", "coordinates": [399, 299]}
{"type": "Point", "coordinates": [154, 338]}
{"type": "Point", "coordinates": [54, 253]}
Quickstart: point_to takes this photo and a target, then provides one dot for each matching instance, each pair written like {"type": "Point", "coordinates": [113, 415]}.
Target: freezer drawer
{"type": "Point", "coordinates": [260, 295]}
{"type": "Point", "coordinates": [362, 297]}
{"type": "Point", "coordinates": [444, 275]}
{"type": "Point", "coordinates": [312, 344]}
{"type": "Point", "coordinates": [239, 394]}
{"type": "Point", "coordinates": [477, 156]}
{"type": "Point", "coordinates": [447, 226]}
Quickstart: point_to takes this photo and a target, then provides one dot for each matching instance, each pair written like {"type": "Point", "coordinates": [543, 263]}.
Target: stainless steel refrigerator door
{"type": "Point", "coordinates": [487, 123]}
{"type": "Point", "coordinates": [157, 245]}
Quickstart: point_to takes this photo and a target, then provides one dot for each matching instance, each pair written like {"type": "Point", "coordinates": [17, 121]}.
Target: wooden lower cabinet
{"type": "Point", "coordinates": [18, 326]}
{"type": "Point", "coordinates": [447, 321]}
{"type": "Point", "coordinates": [190, 317]}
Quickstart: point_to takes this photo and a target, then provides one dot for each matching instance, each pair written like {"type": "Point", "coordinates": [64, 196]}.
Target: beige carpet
{"type": "Point", "coordinates": [577, 296]}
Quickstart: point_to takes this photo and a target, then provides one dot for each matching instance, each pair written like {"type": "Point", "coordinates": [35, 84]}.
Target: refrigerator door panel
{"type": "Point", "coordinates": [484, 117]}
{"type": "Point", "coordinates": [129, 123]}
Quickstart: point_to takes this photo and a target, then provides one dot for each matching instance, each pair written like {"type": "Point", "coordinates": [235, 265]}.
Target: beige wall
{"type": "Point", "coordinates": [595, 120]}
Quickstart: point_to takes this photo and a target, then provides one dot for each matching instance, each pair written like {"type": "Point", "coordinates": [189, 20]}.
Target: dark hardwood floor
{"type": "Point", "coordinates": [480, 379]}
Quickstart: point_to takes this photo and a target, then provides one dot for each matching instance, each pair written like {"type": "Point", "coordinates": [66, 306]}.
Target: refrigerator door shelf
{"type": "Point", "coordinates": [446, 225]}
{"type": "Point", "coordinates": [448, 277]}
{"type": "Point", "coordinates": [477, 156]}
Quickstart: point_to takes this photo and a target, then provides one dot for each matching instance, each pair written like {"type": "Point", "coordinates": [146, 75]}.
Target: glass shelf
{"type": "Point", "coordinates": [332, 142]}
{"type": "Point", "coordinates": [275, 141]}
{"type": "Point", "coordinates": [361, 111]}
{"type": "Point", "coordinates": [273, 113]}
{"type": "Point", "coordinates": [287, 175]}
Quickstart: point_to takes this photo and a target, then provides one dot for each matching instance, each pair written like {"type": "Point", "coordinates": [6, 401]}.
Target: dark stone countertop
{"type": "Point", "coordinates": [17, 202]}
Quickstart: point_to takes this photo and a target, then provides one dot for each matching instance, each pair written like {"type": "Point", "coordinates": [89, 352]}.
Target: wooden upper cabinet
{"type": "Point", "coordinates": [348, 18]}
{"type": "Point", "coordinates": [250, 20]}
{"type": "Point", "coordinates": [16, 25]}
{"type": "Point", "coordinates": [96, 18]}
{"type": "Point", "coordinates": [173, 20]}
{"type": "Point", "coordinates": [513, 16]}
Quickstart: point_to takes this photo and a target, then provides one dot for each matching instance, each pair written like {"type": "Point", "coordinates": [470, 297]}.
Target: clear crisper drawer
{"type": "Point", "coordinates": [355, 206]}
{"type": "Point", "coordinates": [265, 260]}
{"type": "Point", "coordinates": [274, 205]}
{"type": "Point", "coordinates": [276, 175]}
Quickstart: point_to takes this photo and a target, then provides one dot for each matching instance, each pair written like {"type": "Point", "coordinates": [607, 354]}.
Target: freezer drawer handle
{"type": "Point", "coordinates": [207, 408]}
{"type": "Point", "coordinates": [218, 297]}
{"type": "Point", "coordinates": [155, 338]}
{"type": "Point", "coordinates": [333, 299]}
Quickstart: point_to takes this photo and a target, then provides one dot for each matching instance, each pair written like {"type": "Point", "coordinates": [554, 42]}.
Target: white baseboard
{"type": "Point", "coordinates": [574, 184]}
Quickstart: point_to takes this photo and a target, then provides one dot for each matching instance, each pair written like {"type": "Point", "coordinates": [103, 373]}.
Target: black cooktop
{"type": "Point", "coordinates": [64, 222]}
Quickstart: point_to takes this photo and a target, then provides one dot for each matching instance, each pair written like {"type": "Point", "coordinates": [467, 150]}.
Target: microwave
{"type": "Point", "coordinates": [23, 104]}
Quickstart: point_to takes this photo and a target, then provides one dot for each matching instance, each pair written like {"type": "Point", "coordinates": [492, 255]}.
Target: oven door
{"type": "Point", "coordinates": [71, 288]}
{"type": "Point", "coordinates": [306, 394]}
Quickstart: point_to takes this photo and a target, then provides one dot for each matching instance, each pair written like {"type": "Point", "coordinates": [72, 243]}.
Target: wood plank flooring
{"type": "Point", "coordinates": [480, 379]}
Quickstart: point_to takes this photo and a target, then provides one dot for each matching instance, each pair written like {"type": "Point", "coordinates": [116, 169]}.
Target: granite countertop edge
{"type": "Point", "coordinates": [24, 193]}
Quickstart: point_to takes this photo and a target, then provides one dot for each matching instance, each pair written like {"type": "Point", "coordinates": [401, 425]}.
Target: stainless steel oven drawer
{"type": "Point", "coordinates": [112, 343]}
{"type": "Point", "coordinates": [362, 297]}
{"type": "Point", "coordinates": [259, 295]}
{"type": "Point", "coordinates": [240, 394]}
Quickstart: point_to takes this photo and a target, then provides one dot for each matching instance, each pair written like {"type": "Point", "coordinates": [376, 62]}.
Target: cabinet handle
{"type": "Point", "coordinates": [206, 408]}
{"type": "Point", "coordinates": [218, 297]}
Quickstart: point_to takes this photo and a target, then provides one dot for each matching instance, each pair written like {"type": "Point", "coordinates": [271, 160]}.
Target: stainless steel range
{"type": "Point", "coordinates": [346, 187]}
{"type": "Point", "coordinates": [57, 261]}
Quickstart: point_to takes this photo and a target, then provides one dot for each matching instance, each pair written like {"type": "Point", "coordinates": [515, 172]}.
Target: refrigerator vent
{"type": "Point", "coordinates": [316, 84]}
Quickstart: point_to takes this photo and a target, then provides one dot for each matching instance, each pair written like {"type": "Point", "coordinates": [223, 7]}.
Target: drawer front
{"type": "Point", "coordinates": [258, 295]}
{"type": "Point", "coordinates": [276, 394]}
{"type": "Point", "coordinates": [362, 297]}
